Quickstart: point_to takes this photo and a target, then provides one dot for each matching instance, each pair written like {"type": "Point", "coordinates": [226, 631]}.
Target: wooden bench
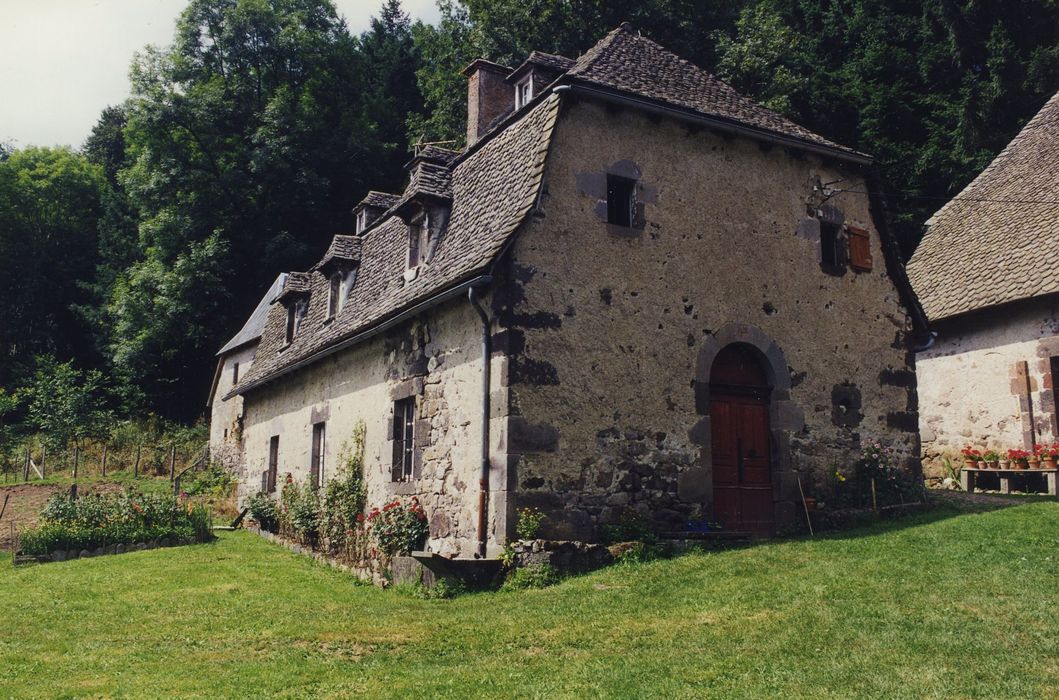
{"type": "Point", "coordinates": [969, 477]}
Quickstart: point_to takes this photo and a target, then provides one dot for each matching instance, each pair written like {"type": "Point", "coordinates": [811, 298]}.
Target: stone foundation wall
{"type": "Point", "coordinates": [987, 381]}
{"type": "Point", "coordinates": [606, 329]}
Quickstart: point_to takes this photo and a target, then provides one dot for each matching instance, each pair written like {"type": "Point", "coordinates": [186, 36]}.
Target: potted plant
{"type": "Point", "coordinates": [1034, 459]}
{"type": "Point", "coordinates": [1050, 456]}
{"type": "Point", "coordinates": [991, 459]}
{"type": "Point", "coordinates": [1018, 458]}
{"type": "Point", "coordinates": [970, 457]}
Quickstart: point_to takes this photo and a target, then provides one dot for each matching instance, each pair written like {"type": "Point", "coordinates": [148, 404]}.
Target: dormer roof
{"type": "Point", "coordinates": [343, 249]}
{"type": "Point", "coordinates": [381, 200]}
{"type": "Point", "coordinates": [547, 62]}
{"type": "Point", "coordinates": [298, 284]}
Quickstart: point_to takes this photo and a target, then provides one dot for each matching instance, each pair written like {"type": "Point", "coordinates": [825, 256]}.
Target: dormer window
{"type": "Point", "coordinates": [296, 311]}
{"type": "Point", "coordinates": [418, 236]}
{"type": "Point", "coordinates": [524, 91]}
{"type": "Point", "coordinates": [362, 220]}
{"type": "Point", "coordinates": [340, 283]}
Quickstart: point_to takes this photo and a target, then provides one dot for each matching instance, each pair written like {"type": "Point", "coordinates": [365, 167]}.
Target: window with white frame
{"type": "Point", "coordinates": [362, 219]}
{"type": "Point", "coordinates": [524, 91]}
{"type": "Point", "coordinates": [340, 284]}
{"type": "Point", "coordinates": [296, 311]}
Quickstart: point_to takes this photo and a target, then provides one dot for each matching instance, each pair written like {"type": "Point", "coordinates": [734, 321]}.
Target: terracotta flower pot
{"type": "Point", "coordinates": [1018, 464]}
{"type": "Point", "coordinates": [993, 464]}
{"type": "Point", "coordinates": [1048, 463]}
{"type": "Point", "coordinates": [981, 464]}
{"type": "Point", "coordinates": [969, 463]}
{"type": "Point", "coordinates": [1004, 464]}
{"type": "Point", "coordinates": [810, 503]}
{"type": "Point", "coordinates": [1034, 462]}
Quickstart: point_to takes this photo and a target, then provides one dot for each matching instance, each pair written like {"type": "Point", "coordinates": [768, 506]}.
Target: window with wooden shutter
{"type": "Point", "coordinates": [404, 415]}
{"type": "Point", "coordinates": [316, 463]}
{"type": "Point", "coordinates": [859, 249]}
{"type": "Point", "coordinates": [273, 464]}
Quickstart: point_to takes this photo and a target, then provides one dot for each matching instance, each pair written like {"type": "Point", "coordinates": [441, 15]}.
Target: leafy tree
{"type": "Point", "coordinates": [10, 428]}
{"type": "Point", "coordinates": [49, 206]}
{"type": "Point", "coordinates": [66, 404]}
{"type": "Point", "coordinates": [247, 142]}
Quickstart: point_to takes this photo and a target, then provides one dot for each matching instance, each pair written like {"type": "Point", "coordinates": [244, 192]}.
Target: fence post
{"type": "Point", "coordinates": [25, 467]}
{"type": "Point", "coordinates": [77, 458]}
{"type": "Point", "coordinates": [136, 466]}
{"type": "Point", "coordinates": [104, 464]}
{"type": "Point", "coordinates": [172, 462]}
{"type": "Point", "coordinates": [43, 460]}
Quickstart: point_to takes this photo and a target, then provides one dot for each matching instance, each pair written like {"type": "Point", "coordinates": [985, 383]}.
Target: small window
{"type": "Point", "coordinates": [273, 464]}
{"type": "Point", "coordinates": [235, 373]}
{"type": "Point", "coordinates": [859, 249]}
{"type": "Point", "coordinates": [404, 415]}
{"type": "Point", "coordinates": [418, 231]}
{"type": "Point", "coordinates": [362, 219]}
{"type": "Point", "coordinates": [620, 200]}
{"type": "Point", "coordinates": [316, 459]}
{"type": "Point", "coordinates": [524, 91]}
{"type": "Point", "coordinates": [830, 245]}
{"type": "Point", "coordinates": [295, 315]}
{"type": "Point", "coordinates": [334, 303]}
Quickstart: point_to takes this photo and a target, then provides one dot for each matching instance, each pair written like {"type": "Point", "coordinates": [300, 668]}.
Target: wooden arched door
{"type": "Point", "coordinates": [739, 427]}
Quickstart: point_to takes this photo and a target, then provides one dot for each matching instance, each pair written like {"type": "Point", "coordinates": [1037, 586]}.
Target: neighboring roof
{"type": "Point", "coordinates": [492, 189]}
{"type": "Point", "coordinates": [548, 61]}
{"type": "Point", "coordinates": [342, 249]}
{"type": "Point", "coordinates": [627, 61]}
{"type": "Point", "coordinates": [998, 240]}
{"type": "Point", "coordinates": [435, 154]}
{"type": "Point", "coordinates": [254, 325]}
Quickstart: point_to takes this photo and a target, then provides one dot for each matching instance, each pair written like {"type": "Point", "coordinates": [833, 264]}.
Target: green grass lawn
{"type": "Point", "coordinates": [943, 604]}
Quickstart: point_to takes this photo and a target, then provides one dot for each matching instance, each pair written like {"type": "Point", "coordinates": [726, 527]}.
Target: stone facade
{"type": "Point", "coordinates": [226, 417]}
{"type": "Point", "coordinates": [987, 381]}
{"type": "Point", "coordinates": [611, 332]}
{"type": "Point", "coordinates": [436, 358]}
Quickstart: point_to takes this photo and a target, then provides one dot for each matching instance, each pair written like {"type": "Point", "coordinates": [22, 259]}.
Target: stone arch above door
{"type": "Point", "coordinates": [785, 417]}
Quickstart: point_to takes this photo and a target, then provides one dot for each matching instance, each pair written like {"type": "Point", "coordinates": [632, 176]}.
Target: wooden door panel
{"type": "Point", "coordinates": [742, 469]}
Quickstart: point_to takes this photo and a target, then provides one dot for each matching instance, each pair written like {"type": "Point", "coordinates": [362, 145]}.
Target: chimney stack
{"type": "Point", "coordinates": [488, 96]}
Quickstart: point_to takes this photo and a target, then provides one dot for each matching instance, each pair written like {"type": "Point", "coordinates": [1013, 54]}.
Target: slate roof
{"type": "Point", "coordinates": [342, 248]}
{"type": "Point", "coordinates": [493, 188]}
{"type": "Point", "coordinates": [251, 330]}
{"type": "Point", "coordinates": [627, 61]}
{"type": "Point", "coordinates": [978, 254]}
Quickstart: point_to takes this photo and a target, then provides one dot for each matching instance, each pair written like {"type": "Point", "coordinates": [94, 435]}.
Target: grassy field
{"type": "Point", "coordinates": [944, 604]}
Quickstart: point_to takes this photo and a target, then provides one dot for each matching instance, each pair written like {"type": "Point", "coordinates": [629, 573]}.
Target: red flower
{"type": "Point", "coordinates": [360, 517]}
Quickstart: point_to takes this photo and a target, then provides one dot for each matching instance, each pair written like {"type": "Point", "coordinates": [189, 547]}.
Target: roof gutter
{"type": "Point", "coordinates": [713, 123]}
{"type": "Point", "coordinates": [441, 297]}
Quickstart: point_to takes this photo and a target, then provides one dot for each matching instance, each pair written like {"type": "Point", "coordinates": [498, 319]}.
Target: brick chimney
{"type": "Point", "coordinates": [488, 96]}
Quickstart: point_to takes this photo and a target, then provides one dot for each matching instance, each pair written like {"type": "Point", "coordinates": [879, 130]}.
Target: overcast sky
{"type": "Point", "coordinates": [63, 61]}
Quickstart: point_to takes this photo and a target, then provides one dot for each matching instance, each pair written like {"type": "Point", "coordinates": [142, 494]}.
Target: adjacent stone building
{"type": "Point", "coordinates": [987, 276]}
{"type": "Point", "coordinates": [233, 362]}
{"type": "Point", "coordinates": [633, 289]}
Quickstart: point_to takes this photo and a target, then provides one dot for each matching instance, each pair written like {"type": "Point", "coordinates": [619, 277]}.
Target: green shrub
{"type": "Point", "coordinates": [529, 523]}
{"type": "Point", "coordinates": [301, 513]}
{"type": "Point", "coordinates": [101, 520]}
{"type": "Point", "coordinates": [214, 480]}
{"type": "Point", "coordinates": [399, 528]}
{"type": "Point", "coordinates": [630, 526]}
{"type": "Point", "coordinates": [345, 494]}
{"type": "Point", "coordinates": [852, 488]}
{"type": "Point", "coordinates": [534, 576]}
{"type": "Point", "coordinates": [264, 510]}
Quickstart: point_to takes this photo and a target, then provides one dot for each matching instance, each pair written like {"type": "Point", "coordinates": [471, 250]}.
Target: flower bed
{"type": "Point", "coordinates": [100, 523]}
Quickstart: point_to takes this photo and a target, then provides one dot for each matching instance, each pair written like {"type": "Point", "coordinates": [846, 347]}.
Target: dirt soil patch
{"type": "Point", "coordinates": [24, 502]}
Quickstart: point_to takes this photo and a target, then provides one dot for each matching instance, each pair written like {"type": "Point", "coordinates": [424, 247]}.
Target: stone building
{"type": "Point", "coordinates": [986, 274]}
{"type": "Point", "coordinates": [633, 289]}
{"type": "Point", "coordinates": [233, 362]}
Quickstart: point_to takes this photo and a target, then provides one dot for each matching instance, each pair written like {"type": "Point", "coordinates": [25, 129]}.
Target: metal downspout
{"type": "Point", "coordinates": [483, 474]}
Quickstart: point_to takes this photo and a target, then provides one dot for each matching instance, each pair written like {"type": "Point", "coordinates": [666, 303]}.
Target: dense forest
{"type": "Point", "coordinates": [126, 263]}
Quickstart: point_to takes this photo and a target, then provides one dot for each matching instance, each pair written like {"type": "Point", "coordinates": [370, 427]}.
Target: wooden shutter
{"type": "Point", "coordinates": [397, 433]}
{"type": "Point", "coordinates": [273, 464]}
{"type": "Point", "coordinates": [859, 249]}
